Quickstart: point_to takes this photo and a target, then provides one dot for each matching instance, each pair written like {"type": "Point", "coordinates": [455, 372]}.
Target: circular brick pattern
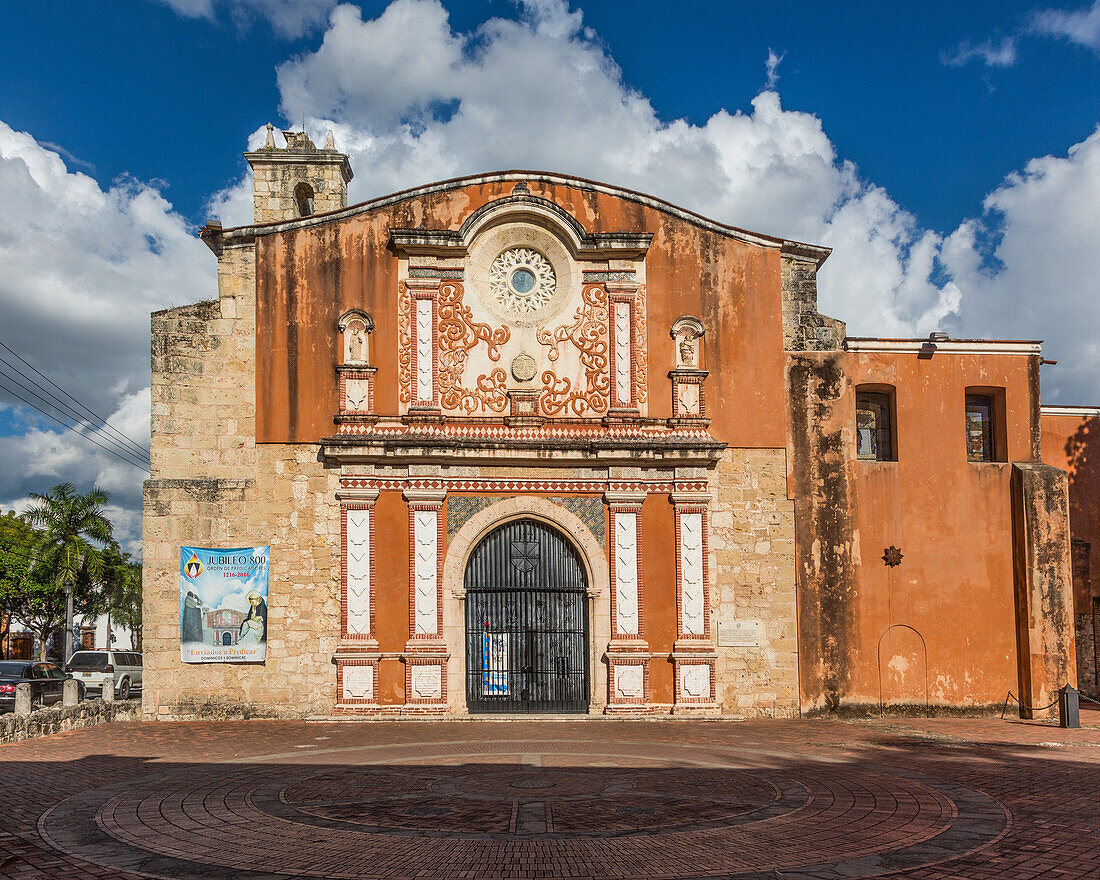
{"type": "Point", "coordinates": [487, 810]}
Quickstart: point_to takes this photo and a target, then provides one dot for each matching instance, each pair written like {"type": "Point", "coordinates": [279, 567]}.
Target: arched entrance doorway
{"type": "Point", "coordinates": [526, 623]}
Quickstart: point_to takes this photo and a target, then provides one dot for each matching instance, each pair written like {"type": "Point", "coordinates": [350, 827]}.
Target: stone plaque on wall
{"type": "Point", "coordinates": [739, 633]}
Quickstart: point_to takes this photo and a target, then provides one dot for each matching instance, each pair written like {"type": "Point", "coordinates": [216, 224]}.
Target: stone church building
{"type": "Point", "coordinates": [523, 442]}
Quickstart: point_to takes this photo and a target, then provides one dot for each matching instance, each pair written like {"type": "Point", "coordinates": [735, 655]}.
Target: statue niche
{"type": "Point", "coordinates": [356, 372]}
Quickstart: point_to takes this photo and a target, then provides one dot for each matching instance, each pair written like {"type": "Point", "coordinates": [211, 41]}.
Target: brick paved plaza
{"type": "Point", "coordinates": [758, 799]}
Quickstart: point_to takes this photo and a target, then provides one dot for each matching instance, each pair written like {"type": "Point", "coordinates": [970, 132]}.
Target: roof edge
{"type": "Point", "coordinates": [880, 345]}
{"type": "Point", "coordinates": [1084, 412]}
{"type": "Point", "coordinates": [795, 249]}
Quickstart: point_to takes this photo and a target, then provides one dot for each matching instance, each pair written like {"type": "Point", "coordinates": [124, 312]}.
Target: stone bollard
{"type": "Point", "coordinates": [108, 690]}
{"type": "Point", "coordinates": [23, 698]}
{"type": "Point", "coordinates": [70, 692]}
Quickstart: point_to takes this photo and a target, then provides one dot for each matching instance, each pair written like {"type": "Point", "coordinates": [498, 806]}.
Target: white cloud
{"type": "Point", "coordinates": [992, 53]}
{"type": "Point", "coordinates": [83, 268]}
{"type": "Point", "coordinates": [1081, 26]}
{"type": "Point", "coordinates": [1041, 231]}
{"type": "Point", "coordinates": [288, 18]}
{"type": "Point", "coordinates": [542, 92]}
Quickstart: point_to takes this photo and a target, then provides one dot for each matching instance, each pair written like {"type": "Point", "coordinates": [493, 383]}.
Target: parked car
{"type": "Point", "coordinates": [92, 668]}
{"type": "Point", "coordinates": [46, 681]}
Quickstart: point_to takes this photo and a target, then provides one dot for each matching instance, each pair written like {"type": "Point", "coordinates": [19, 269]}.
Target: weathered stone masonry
{"type": "Point", "coordinates": [375, 393]}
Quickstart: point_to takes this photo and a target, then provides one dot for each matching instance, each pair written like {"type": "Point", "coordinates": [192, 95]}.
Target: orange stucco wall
{"type": "Point", "coordinates": [1072, 443]}
{"type": "Point", "coordinates": [943, 622]}
{"type": "Point", "coordinates": [658, 570]}
{"type": "Point", "coordinates": [307, 278]}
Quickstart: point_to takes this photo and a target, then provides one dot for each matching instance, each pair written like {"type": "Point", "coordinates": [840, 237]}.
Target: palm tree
{"type": "Point", "coordinates": [67, 520]}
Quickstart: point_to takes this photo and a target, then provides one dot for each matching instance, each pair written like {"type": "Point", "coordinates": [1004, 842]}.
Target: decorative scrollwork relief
{"type": "Point", "coordinates": [589, 334]}
{"type": "Point", "coordinates": [459, 333]}
{"type": "Point", "coordinates": [404, 344]}
{"type": "Point", "coordinates": [522, 280]}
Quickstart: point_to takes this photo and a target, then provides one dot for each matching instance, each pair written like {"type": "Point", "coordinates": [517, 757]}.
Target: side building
{"type": "Point", "coordinates": [523, 442]}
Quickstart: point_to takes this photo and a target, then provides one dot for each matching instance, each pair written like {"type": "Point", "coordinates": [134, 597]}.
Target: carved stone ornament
{"type": "Point", "coordinates": [688, 332]}
{"type": "Point", "coordinates": [524, 368]}
{"type": "Point", "coordinates": [522, 280]}
{"type": "Point", "coordinates": [356, 326]}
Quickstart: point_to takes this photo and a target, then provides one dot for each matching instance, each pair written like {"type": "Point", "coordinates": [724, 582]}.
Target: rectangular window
{"type": "Point", "coordinates": [874, 426]}
{"type": "Point", "coordinates": [979, 428]}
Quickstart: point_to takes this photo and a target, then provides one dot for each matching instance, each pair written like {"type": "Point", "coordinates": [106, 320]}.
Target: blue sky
{"type": "Point", "coordinates": [949, 153]}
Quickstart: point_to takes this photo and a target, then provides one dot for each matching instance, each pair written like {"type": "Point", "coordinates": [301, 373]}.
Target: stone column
{"type": "Point", "coordinates": [628, 652]}
{"type": "Point", "coordinates": [70, 692]}
{"type": "Point", "coordinates": [694, 655]}
{"type": "Point", "coordinates": [426, 650]}
{"type": "Point", "coordinates": [357, 655]}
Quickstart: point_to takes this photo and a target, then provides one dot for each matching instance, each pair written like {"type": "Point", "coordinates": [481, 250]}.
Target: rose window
{"type": "Point", "coordinates": [522, 280]}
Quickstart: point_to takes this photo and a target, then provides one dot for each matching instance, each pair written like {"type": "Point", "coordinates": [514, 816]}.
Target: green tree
{"type": "Point", "coordinates": [67, 521]}
{"type": "Point", "coordinates": [121, 589]}
{"type": "Point", "coordinates": [17, 543]}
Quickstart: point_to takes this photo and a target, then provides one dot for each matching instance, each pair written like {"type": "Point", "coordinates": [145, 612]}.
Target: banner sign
{"type": "Point", "coordinates": [223, 605]}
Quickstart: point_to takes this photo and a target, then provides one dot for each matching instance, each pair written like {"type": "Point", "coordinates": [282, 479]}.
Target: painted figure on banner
{"type": "Point", "coordinates": [235, 582]}
{"type": "Point", "coordinates": [254, 626]}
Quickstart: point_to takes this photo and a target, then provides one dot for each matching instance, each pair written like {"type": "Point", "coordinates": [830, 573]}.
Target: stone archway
{"type": "Point", "coordinates": [592, 556]}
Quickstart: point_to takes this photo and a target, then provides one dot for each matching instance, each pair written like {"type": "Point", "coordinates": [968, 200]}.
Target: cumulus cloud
{"type": "Point", "coordinates": [1080, 26]}
{"type": "Point", "coordinates": [83, 268]}
{"type": "Point", "coordinates": [288, 18]}
{"type": "Point", "coordinates": [541, 91]}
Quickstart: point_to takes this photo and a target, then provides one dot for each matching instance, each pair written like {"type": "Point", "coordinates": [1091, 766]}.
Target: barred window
{"type": "Point", "coordinates": [874, 426]}
{"type": "Point", "coordinates": [980, 444]}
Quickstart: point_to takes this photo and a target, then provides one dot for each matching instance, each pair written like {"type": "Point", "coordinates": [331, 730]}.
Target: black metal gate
{"type": "Point", "coordinates": [526, 622]}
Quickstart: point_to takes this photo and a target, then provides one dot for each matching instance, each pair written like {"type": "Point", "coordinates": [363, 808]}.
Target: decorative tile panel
{"type": "Point", "coordinates": [358, 682]}
{"type": "Point", "coordinates": [425, 571]}
{"type": "Point", "coordinates": [691, 567]}
{"type": "Point", "coordinates": [358, 573]}
{"type": "Point", "coordinates": [590, 511]}
{"type": "Point", "coordinates": [424, 365]}
{"type": "Point", "coordinates": [626, 573]}
{"type": "Point", "coordinates": [427, 682]}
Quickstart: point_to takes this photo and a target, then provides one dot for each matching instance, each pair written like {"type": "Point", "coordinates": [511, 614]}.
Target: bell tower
{"type": "Point", "coordinates": [297, 180]}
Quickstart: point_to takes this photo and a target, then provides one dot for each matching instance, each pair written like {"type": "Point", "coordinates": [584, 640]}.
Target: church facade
{"type": "Point", "coordinates": [522, 442]}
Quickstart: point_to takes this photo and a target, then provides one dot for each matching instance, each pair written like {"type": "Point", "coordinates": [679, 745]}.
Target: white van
{"type": "Point", "coordinates": [92, 668]}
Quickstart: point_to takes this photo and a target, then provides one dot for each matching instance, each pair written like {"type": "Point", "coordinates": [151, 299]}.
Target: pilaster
{"type": "Point", "coordinates": [628, 651]}
{"type": "Point", "coordinates": [426, 649]}
{"type": "Point", "coordinates": [694, 654]}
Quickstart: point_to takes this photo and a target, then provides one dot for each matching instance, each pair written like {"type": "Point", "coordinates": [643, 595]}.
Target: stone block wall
{"type": "Point", "coordinates": [752, 557]}
{"type": "Point", "coordinates": [804, 327]}
{"type": "Point", "coordinates": [213, 486]}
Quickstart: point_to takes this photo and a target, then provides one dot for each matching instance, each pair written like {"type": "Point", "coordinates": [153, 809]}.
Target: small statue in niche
{"type": "Point", "coordinates": [687, 351]}
{"type": "Point", "coordinates": [357, 343]}
{"type": "Point", "coordinates": [687, 332]}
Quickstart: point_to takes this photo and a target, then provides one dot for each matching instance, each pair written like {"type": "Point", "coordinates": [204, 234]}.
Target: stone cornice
{"type": "Point", "coordinates": [793, 249]}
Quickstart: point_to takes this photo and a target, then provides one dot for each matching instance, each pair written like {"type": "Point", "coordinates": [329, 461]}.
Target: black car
{"type": "Point", "coordinates": [46, 681]}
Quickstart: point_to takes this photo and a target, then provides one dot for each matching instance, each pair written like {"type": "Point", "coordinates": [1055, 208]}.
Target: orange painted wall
{"type": "Point", "coordinates": [658, 569]}
{"type": "Point", "coordinates": [307, 278]}
{"type": "Point", "coordinates": [391, 563]}
{"type": "Point", "coordinates": [952, 520]}
{"type": "Point", "coordinates": [1073, 444]}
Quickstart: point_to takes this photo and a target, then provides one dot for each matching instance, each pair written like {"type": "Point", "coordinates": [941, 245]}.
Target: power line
{"type": "Point", "coordinates": [69, 413]}
{"type": "Point", "coordinates": [84, 407]}
{"type": "Point", "coordinates": [88, 437]}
